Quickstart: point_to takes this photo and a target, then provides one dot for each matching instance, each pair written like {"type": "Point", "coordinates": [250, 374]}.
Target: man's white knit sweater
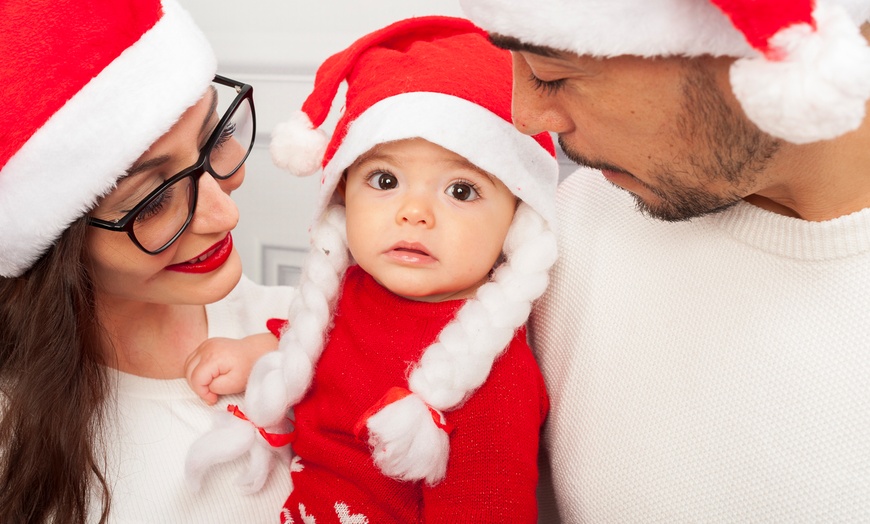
{"type": "Point", "coordinates": [716, 370]}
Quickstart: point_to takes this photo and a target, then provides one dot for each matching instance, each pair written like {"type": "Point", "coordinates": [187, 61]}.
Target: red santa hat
{"type": "Point", "coordinates": [440, 79]}
{"type": "Point", "coordinates": [87, 87]}
{"type": "Point", "coordinates": [803, 68]}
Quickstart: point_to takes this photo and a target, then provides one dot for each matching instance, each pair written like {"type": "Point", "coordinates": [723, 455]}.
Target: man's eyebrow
{"type": "Point", "coordinates": [510, 43]}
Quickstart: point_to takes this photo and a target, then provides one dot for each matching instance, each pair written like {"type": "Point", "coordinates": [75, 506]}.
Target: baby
{"type": "Point", "coordinates": [414, 392]}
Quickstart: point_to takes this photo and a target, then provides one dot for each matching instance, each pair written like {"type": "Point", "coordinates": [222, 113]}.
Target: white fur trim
{"type": "Point", "coordinates": [406, 443]}
{"type": "Point", "coordinates": [297, 146]}
{"type": "Point", "coordinates": [485, 139]}
{"type": "Point", "coordinates": [613, 27]}
{"type": "Point", "coordinates": [818, 91]}
{"type": "Point", "coordinates": [75, 158]}
{"type": "Point", "coordinates": [624, 27]}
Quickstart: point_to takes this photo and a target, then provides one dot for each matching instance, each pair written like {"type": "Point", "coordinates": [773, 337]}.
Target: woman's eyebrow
{"type": "Point", "coordinates": [135, 169]}
{"type": "Point", "coordinates": [155, 162]}
{"type": "Point", "coordinates": [147, 165]}
{"type": "Point", "coordinates": [211, 109]}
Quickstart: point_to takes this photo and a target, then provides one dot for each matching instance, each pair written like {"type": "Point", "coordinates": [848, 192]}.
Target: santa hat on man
{"type": "Point", "coordinates": [439, 79]}
{"type": "Point", "coordinates": [802, 71]}
{"type": "Point", "coordinates": [87, 86]}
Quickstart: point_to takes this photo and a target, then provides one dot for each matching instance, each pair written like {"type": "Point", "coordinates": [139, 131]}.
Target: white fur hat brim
{"type": "Point", "coordinates": [607, 28]}
{"type": "Point", "coordinates": [483, 138]}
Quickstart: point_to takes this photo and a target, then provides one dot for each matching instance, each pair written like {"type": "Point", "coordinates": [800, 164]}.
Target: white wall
{"type": "Point", "coordinates": [282, 36]}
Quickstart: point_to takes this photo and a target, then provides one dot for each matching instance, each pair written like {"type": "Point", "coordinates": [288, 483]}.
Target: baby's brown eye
{"type": "Point", "coordinates": [383, 181]}
{"type": "Point", "coordinates": [462, 191]}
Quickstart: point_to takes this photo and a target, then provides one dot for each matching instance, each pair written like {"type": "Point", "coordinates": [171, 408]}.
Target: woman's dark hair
{"type": "Point", "coordinates": [53, 388]}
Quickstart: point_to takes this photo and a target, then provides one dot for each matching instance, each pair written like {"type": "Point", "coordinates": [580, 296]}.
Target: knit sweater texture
{"type": "Point", "coordinates": [491, 472]}
{"type": "Point", "coordinates": [716, 370]}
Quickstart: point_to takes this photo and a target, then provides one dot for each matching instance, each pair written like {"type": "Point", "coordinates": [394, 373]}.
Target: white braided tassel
{"type": "Point", "coordinates": [406, 442]}
{"type": "Point", "coordinates": [279, 379]}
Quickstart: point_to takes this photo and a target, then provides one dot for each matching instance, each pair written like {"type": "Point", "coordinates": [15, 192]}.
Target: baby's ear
{"type": "Point", "coordinates": [342, 182]}
{"type": "Point", "coordinates": [499, 261]}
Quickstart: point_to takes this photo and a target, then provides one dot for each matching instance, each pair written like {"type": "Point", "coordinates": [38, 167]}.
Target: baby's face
{"type": "Point", "coordinates": [423, 221]}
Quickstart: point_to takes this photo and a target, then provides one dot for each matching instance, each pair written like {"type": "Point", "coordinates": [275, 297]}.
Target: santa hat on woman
{"type": "Point", "coordinates": [439, 79]}
{"type": "Point", "coordinates": [803, 68]}
{"type": "Point", "coordinates": [87, 86]}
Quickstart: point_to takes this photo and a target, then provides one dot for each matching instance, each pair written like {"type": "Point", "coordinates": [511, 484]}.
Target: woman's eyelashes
{"type": "Point", "coordinates": [156, 205]}
{"type": "Point", "coordinates": [226, 134]}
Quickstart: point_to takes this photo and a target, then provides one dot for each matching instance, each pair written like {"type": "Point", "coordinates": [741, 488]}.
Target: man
{"type": "Point", "coordinates": [706, 337]}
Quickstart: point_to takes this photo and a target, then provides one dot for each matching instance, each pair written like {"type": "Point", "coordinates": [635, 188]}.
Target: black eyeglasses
{"type": "Point", "coordinates": [161, 217]}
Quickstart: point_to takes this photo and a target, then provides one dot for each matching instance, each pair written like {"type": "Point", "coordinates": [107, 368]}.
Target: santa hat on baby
{"type": "Point", "coordinates": [87, 86]}
{"type": "Point", "coordinates": [802, 71]}
{"type": "Point", "coordinates": [417, 78]}
{"type": "Point", "coordinates": [440, 79]}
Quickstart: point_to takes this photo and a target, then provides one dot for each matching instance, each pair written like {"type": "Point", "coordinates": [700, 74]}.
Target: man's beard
{"type": "Point", "coordinates": [731, 151]}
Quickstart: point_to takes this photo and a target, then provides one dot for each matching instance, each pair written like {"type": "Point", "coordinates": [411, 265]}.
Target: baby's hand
{"type": "Point", "coordinates": [220, 366]}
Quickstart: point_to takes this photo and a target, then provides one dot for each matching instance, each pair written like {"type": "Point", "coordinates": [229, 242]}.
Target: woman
{"type": "Point", "coordinates": [120, 149]}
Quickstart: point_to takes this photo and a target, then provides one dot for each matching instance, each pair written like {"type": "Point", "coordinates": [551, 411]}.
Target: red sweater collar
{"type": "Point", "coordinates": [366, 292]}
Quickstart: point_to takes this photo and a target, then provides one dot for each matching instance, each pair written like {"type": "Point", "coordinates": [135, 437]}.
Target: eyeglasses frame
{"type": "Point", "coordinates": [199, 168]}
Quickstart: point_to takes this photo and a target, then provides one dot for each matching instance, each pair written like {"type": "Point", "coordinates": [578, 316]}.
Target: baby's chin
{"type": "Point", "coordinates": [439, 295]}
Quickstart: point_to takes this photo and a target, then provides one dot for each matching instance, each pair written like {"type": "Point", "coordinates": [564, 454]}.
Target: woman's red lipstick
{"type": "Point", "coordinates": [209, 260]}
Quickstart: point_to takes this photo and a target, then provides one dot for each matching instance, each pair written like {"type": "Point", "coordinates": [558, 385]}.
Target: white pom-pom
{"type": "Point", "coordinates": [261, 461]}
{"type": "Point", "coordinates": [820, 87]}
{"type": "Point", "coordinates": [297, 146]}
{"type": "Point", "coordinates": [406, 442]}
{"type": "Point", "coordinates": [230, 438]}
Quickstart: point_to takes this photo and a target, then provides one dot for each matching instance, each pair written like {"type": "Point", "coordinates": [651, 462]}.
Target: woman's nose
{"type": "Point", "coordinates": [215, 210]}
{"type": "Point", "coordinates": [228, 185]}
